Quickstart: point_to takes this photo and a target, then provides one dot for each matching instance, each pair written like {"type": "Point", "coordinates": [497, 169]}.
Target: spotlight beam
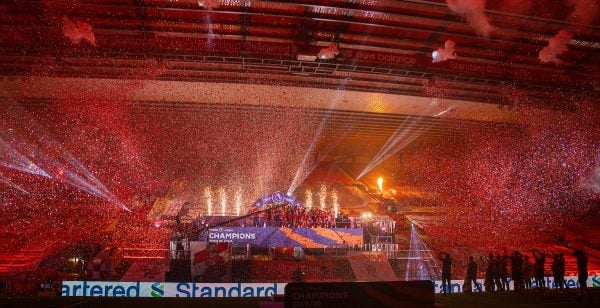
{"type": "Point", "coordinates": [417, 268]}
{"type": "Point", "coordinates": [402, 137]}
{"type": "Point", "coordinates": [51, 157]}
{"type": "Point", "coordinates": [306, 167]}
{"type": "Point", "coordinates": [5, 180]}
{"type": "Point", "coordinates": [11, 158]}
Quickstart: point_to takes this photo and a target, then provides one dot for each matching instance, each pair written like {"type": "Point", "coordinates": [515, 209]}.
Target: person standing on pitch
{"type": "Point", "coordinates": [471, 277]}
{"type": "Point", "coordinates": [504, 272]}
{"type": "Point", "coordinates": [489, 274]}
{"type": "Point", "coordinates": [528, 272]}
{"type": "Point", "coordinates": [446, 272]}
{"type": "Point", "coordinates": [498, 273]}
{"type": "Point", "coordinates": [516, 268]}
{"type": "Point", "coordinates": [561, 271]}
{"type": "Point", "coordinates": [558, 270]}
{"type": "Point", "coordinates": [582, 274]}
{"type": "Point", "coordinates": [540, 259]}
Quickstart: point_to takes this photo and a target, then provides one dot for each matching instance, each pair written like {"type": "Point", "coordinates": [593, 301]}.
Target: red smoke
{"type": "Point", "coordinates": [473, 12]}
{"type": "Point", "coordinates": [556, 46]}
{"type": "Point", "coordinates": [329, 53]}
{"type": "Point", "coordinates": [77, 31]}
{"type": "Point", "coordinates": [209, 4]}
{"type": "Point", "coordinates": [583, 13]}
{"type": "Point", "coordinates": [446, 53]}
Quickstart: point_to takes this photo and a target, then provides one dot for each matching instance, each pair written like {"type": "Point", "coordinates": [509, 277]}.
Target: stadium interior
{"type": "Point", "coordinates": [130, 127]}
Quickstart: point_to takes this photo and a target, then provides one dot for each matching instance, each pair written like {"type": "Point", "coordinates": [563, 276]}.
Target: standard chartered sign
{"type": "Point", "coordinates": [169, 289]}
{"type": "Point", "coordinates": [190, 289]}
{"type": "Point", "coordinates": [571, 282]}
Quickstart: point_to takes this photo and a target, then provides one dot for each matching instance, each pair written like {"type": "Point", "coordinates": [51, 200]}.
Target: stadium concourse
{"type": "Point", "coordinates": [310, 150]}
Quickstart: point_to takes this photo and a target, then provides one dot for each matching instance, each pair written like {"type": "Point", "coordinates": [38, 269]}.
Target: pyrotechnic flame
{"type": "Point", "coordinates": [323, 196]}
{"type": "Point", "coordinates": [238, 202]}
{"type": "Point", "coordinates": [309, 199]}
{"type": "Point", "coordinates": [336, 205]}
{"type": "Point", "coordinates": [208, 196]}
{"type": "Point", "coordinates": [223, 197]}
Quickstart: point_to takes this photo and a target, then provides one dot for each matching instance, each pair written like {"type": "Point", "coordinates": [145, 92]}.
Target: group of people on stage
{"type": "Point", "coordinates": [522, 272]}
{"type": "Point", "coordinates": [294, 217]}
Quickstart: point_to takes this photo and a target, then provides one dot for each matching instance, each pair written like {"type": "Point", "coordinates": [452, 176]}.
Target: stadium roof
{"type": "Point", "coordinates": [260, 55]}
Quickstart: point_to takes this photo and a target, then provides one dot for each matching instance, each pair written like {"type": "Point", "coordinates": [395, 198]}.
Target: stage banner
{"type": "Point", "coordinates": [371, 266]}
{"type": "Point", "coordinates": [287, 237]}
{"type": "Point", "coordinates": [321, 270]}
{"type": "Point", "coordinates": [360, 294]}
{"type": "Point", "coordinates": [211, 262]}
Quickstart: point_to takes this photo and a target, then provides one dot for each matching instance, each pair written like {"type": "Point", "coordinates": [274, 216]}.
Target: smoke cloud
{"type": "Point", "coordinates": [209, 4]}
{"type": "Point", "coordinates": [583, 14]}
{"type": "Point", "coordinates": [556, 46]}
{"type": "Point", "coordinates": [329, 53]}
{"type": "Point", "coordinates": [446, 53]}
{"type": "Point", "coordinates": [473, 12]}
{"type": "Point", "coordinates": [77, 31]}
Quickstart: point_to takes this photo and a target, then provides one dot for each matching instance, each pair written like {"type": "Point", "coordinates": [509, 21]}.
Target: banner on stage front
{"type": "Point", "coordinates": [287, 237]}
{"type": "Point", "coordinates": [211, 262]}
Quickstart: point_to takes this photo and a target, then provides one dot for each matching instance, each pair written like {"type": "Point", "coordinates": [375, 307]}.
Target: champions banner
{"type": "Point", "coordinates": [287, 237]}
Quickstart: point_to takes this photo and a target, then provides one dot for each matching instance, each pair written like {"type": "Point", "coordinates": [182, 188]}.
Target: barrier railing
{"type": "Point", "coordinates": [391, 251]}
{"type": "Point", "coordinates": [183, 252]}
{"type": "Point", "coordinates": [145, 252]}
{"type": "Point", "coordinates": [241, 253]}
{"type": "Point", "coordinates": [179, 250]}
